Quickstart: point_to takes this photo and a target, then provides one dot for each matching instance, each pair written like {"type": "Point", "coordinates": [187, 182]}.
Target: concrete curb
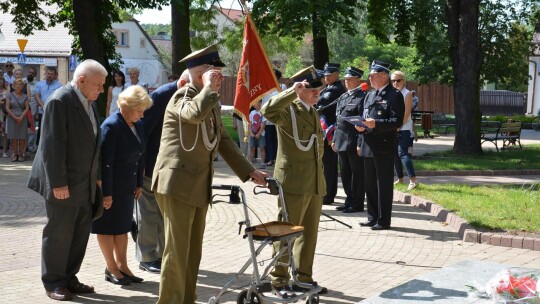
{"type": "Point", "coordinates": [464, 229]}
{"type": "Point", "coordinates": [478, 172]}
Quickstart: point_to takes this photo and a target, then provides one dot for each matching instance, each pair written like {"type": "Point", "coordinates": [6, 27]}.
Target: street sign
{"type": "Point", "coordinates": [72, 62]}
{"type": "Point", "coordinates": [22, 44]}
{"type": "Point", "coordinates": [21, 58]}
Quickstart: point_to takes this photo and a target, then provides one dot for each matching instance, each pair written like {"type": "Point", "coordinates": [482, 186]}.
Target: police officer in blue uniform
{"type": "Point", "coordinates": [327, 110]}
{"type": "Point", "coordinates": [345, 142]}
{"type": "Point", "coordinates": [384, 108]}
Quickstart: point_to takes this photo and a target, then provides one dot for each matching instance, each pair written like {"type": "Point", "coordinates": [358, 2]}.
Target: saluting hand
{"type": "Point", "coordinates": [300, 86]}
{"type": "Point", "coordinates": [213, 78]}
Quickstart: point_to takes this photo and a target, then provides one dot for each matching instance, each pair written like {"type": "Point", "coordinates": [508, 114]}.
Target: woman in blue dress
{"type": "Point", "coordinates": [122, 149]}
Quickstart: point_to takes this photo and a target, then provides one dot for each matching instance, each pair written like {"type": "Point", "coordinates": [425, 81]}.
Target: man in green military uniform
{"type": "Point", "coordinates": [299, 169]}
{"type": "Point", "coordinates": [192, 136]}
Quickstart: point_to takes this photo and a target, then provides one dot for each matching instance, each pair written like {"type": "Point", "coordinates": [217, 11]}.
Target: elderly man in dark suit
{"type": "Point", "coordinates": [151, 239]}
{"type": "Point", "coordinates": [383, 112]}
{"type": "Point", "coordinates": [326, 106]}
{"type": "Point", "coordinates": [66, 172]}
{"type": "Point", "coordinates": [345, 142]}
{"type": "Point", "coordinates": [300, 170]}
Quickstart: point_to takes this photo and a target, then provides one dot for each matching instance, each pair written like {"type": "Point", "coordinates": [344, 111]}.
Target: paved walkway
{"type": "Point", "coordinates": [353, 263]}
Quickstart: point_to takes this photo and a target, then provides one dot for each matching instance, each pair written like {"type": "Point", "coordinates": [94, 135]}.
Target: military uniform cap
{"type": "Point", "coordinates": [310, 75]}
{"type": "Point", "coordinates": [330, 68]}
{"type": "Point", "coordinates": [379, 66]}
{"type": "Point", "coordinates": [209, 55]}
{"type": "Point", "coordinates": [353, 72]}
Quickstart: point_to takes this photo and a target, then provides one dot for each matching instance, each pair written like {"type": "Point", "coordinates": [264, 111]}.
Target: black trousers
{"type": "Point", "coordinates": [270, 136]}
{"type": "Point", "coordinates": [379, 181]}
{"type": "Point", "coordinates": [64, 241]}
{"type": "Point", "coordinates": [330, 161]}
{"type": "Point", "coordinates": [352, 176]}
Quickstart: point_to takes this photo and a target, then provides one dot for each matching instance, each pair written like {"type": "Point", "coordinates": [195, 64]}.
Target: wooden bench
{"type": "Point", "coordinates": [508, 132]}
{"type": "Point", "coordinates": [440, 122]}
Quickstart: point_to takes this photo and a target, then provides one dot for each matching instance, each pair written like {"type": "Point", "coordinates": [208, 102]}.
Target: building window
{"type": "Point", "coordinates": [142, 43]}
{"type": "Point", "coordinates": [122, 37]}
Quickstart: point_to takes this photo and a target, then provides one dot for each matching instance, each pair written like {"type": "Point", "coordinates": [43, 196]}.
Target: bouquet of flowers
{"type": "Point", "coordinates": [512, 286]}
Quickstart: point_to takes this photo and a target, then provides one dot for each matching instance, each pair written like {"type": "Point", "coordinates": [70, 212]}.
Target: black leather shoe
{"type": "Point", "coordinates": [59, 294]}
{"type": "Point", "coordinates": [297, 288]}
{"type": "Point", "coordinates": [380, 227]}
{"type": "Point", "coordinates": [368, 224]}
{"type": "Point", "coordinates": [152, 267]}
{"type": "Point", "coordinates": [352, 210]}
{"type": "Point", "coordinates": [283, 291]}
{"type": "Point", "coordinates": [342, 207]}
{"type": "Point", "coordinates": [109, 277]}
{"type": "Point", "coordinates": [132, 278]}
{"type": "Point", "coordinates": [80, 288]}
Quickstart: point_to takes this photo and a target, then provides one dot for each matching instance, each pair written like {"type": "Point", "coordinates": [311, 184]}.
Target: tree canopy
{"type": "Point", "coordinates": [295, 18]}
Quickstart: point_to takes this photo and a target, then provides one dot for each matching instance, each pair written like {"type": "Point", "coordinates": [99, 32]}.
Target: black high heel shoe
{"type": "Point", "coordinates": [109, 277]}
{"type": "Point", "coordinates": [132, 278]}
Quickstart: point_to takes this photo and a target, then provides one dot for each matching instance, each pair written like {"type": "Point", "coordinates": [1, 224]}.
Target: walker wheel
{"type": "Point", "coordinates": [313, 299]}
{"type": "Point", "coordinates": [242, 298]}
{"type": "Point", "coordinates": [212, 300]}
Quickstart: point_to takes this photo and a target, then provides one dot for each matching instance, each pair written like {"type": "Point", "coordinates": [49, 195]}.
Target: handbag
{"type": "Point", "coordinates": [30, 119]}
{"type": "Point", "coordinates": [97, 206]}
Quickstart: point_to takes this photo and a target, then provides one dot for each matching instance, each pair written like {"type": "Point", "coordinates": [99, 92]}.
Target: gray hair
{"type": "Point", "coordinates": [89, 67]}
{"type": "Point", "coordinates": [134, 97]}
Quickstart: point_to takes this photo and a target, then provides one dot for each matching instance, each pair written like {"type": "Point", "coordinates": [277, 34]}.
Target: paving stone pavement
{"type": "Point", "coordinates": [353, 264]}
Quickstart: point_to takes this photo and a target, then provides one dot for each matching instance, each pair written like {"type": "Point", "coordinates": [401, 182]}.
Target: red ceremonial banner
{"type": "Point", "coordinates": [255, 75]}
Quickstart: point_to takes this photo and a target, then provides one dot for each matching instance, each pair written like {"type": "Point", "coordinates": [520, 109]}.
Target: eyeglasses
{"type": "Point", "coordinates": [9, 66]}
{"type": "Point", "coordinates": [397, 80]}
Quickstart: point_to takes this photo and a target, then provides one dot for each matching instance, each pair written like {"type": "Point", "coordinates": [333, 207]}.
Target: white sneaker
{"type": "Point", "coordinates": [397, 181]}
{"type": "Point", "coordinates": [413, 185]}
{"type": "Point", "coordinates": [5, 155]}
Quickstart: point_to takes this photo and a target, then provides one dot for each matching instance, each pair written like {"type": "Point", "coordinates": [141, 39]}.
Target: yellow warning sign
{"type": "Point", "coordinates": [22, 44]}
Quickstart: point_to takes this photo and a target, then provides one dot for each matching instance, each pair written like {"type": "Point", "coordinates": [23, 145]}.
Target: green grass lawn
{"type": "Point", "coordinates": [528, 158]}
{"type": "Point", "coordinates": [510, 208]}
{"type": "Point", "coordinates": [228, 123]}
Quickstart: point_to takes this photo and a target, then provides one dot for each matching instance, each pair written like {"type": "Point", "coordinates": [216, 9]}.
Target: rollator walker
{"type": "Point", "coordinates": [260, 290]}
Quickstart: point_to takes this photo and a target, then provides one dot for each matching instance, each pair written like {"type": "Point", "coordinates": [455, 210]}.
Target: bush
{"type": "Point", "coordinates": [504, 118]}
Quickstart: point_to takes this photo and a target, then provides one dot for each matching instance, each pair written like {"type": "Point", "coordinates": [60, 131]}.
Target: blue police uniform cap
{"type": "Point", "coordinates": [208, 55]}
{"type": "Point", "coordinates": [379, 66]}
{"type": "Point", "coordinates": [330, 68]}
{"type": "Point", "coordinates": [310, 75]}
{"type": "Point", "coordinates": [353, 72]}
{"type": "Point", "coordinates": [320, 73]}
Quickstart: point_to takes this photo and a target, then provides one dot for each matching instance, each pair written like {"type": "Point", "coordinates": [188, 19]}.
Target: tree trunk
{"type": "Point", "coordinates": [180, 34]}
{"type": "Point", "coordinates": [466, 59]}
{"type": "Point", "coordinates": [320, 42]}
{"type": "Point", "coordinates": [87, 16]}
